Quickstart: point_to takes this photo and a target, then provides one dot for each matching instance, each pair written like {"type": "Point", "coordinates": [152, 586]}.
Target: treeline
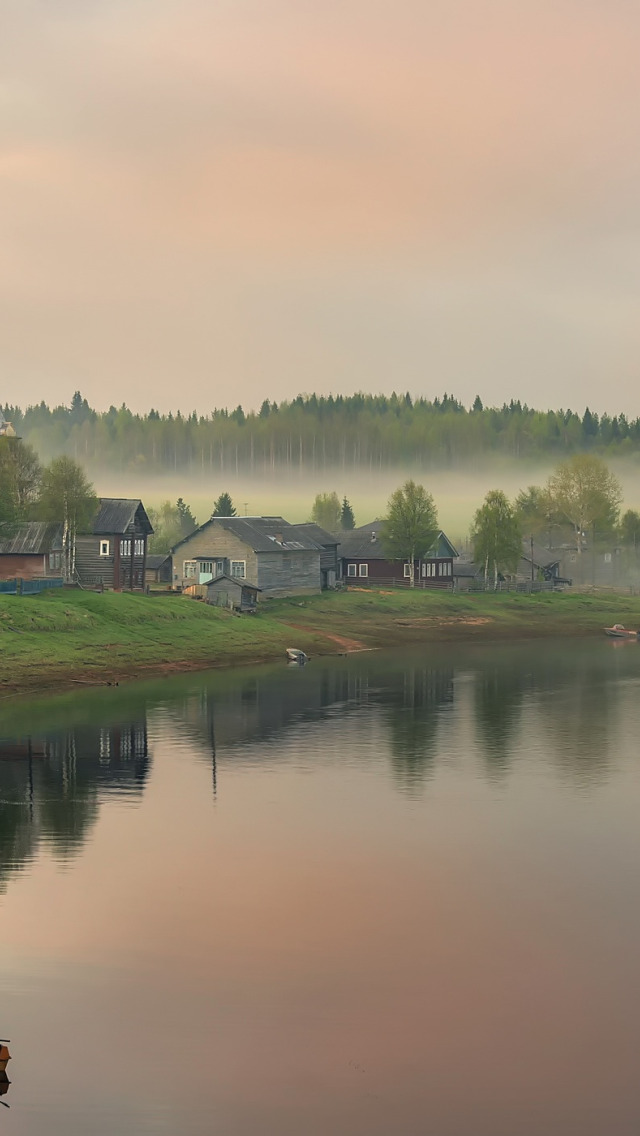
{"type": "Point", "coordinates": [315, 433]}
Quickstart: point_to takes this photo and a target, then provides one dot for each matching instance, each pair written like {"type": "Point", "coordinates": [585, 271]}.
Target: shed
{"type": "Point", "coordinates": [32, 549]}
{"type": "Point", "coordinates": [229, 591]}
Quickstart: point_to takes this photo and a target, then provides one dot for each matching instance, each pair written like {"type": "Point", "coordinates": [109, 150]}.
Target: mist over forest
{"type": "Point", "coordinates": [276, 459]}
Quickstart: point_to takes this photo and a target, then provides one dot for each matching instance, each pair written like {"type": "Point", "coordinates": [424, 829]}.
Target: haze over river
{"type": "Point", "coordinates": [373, 895]}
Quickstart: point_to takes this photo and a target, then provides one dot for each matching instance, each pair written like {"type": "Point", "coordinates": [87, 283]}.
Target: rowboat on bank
{"type": "Point", "coordinates": [620, 632]}
{"type": "Point", "coordinates": [296, 656]}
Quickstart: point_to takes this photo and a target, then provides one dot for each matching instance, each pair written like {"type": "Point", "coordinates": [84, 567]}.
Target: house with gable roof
{"type": "Point", "coordinates": [280, 559]}
{"type": "Point", "coordinates": [362, 560]}
{"type": "Point", "coordinates": [114, 553]}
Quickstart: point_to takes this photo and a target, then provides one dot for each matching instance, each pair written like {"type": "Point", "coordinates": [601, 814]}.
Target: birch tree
{"type": "Point", "coordinates": [585, 491]}
{"type": "Point", "coordinates": [66, 496]}
{"type": "Point", "coordinates": [497, 536]}
{"type": "Point", "coordinates": [411, 525]}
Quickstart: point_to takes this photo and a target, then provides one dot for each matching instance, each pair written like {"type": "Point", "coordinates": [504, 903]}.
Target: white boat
{"type": "Point", "coordinates": [294, 655]}
{"type": "Point", "coordinates": [620, 632]}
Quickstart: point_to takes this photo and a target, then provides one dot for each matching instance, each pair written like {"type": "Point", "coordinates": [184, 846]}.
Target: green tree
{"type": "Point", "coordinates": [584, 491]}
{"type": "Point", "coordinates": [497, 536]}
{"type": "Point", "coordinates": [188, 522]}
{"type": "Point", "coordinates": [411, 525]}
{"type": "Point", "coordinates": [224, 506]}
{"type": "Point", "coordinates": [68, 497]}
{"type": "Point", "coordinates": [326, 511]}
{"type": "Point", "coordinates": [20, 473]}
{"type": "Point", "coordinates": [347, 519]}
{"type": "Point", "coordinates": [167, 527]}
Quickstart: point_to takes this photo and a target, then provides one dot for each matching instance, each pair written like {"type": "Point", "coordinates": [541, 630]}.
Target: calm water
{"type": "Point", "coordinates": [376, 895]}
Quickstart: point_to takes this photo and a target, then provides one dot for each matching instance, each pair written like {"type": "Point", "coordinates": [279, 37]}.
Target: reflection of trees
{"type": "Point", "coordinates": [498, 692]}
{"type": "Point", "coordinates": [581, 718]}
{"type": "Point", "coordinates": [51, 786]}
{"type": "Point", "coordinates": [411, 707]}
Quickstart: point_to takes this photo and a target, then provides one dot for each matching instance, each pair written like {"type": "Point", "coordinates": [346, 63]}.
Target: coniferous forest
{"type": "Point", "coordinates": [350, 432]}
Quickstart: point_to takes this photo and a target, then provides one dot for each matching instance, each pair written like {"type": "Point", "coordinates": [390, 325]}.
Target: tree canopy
{"type": "Point", "coordinates": [326, 511]}
{"type": "Point", "coordinates": [224, 506]}
{"type": "Point", "coordinates": [585, 491]}
{"type": "Point", "coordinates": [347, 518]}
{"type": "Point", "coordinates": [411, 524]}
{"type": "Point", "coordinates": [497, 535]}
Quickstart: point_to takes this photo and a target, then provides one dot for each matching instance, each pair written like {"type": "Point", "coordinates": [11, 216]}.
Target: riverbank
{"type": "Point", "coordinates": [74, 638]}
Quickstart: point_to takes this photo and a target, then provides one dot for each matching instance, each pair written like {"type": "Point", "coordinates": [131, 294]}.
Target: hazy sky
{"type": "Point", "coordinates": [205, 203]}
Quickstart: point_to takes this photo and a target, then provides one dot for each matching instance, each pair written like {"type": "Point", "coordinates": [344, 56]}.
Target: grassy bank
{"type": "Point", "coordinates": [75, 638]}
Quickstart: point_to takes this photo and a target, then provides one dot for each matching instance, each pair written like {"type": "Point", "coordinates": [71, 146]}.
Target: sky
{"type": "Point", "coordinates": [211, 203]}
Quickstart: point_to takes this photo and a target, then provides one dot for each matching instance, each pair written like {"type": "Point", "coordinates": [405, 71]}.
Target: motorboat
{"type": "Point", "coordinates": [294, 655]}
{"type": "Point", "coordinates": [620, 632]}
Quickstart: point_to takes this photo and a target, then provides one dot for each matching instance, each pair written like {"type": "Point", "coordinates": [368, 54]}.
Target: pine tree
{"type": "Point", "coordinates": [224, 506]}
{"type": "Point", "coordinates": [347, 519]}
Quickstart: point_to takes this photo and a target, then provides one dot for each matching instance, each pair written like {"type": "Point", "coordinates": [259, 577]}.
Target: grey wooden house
{"type": "Point", "coordinates": [268, 552]}
{"type": "Point", "coordinates": [114, 554]}
{"type": "Point", "coordinates": [328, 544]}
{"type": "Point", "coordinates": [31, 550]}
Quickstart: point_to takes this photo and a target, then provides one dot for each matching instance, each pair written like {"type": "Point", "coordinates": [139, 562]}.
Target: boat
{"type": "Point", "coordinates": [294, 655]}
{"type": "Point", "coordinates": [5, 1056]}
{"type": "Point", "coordinates": [620, 632]}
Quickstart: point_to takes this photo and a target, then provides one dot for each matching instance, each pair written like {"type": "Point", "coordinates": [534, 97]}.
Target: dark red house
{"type": "Point", "coordinates": [362, 560]}
{"type": "Point", "coordinates": [31, 550]}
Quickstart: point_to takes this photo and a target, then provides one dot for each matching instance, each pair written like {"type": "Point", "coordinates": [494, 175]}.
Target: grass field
{"type": "Point", "coordinates": [70, 637]}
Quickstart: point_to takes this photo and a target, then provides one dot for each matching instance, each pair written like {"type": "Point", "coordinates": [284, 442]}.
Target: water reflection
{"type": "Point", "coordinates": [411, 714]}
{"type": "Point", "coordinates": [52, 783]}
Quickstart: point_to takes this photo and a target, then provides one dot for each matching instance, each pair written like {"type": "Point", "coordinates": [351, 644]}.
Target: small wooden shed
{"type": "Point", "coordinates": [230, 591]}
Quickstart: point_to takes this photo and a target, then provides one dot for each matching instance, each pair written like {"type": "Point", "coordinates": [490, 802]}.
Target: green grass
{"type": "Point", "coordinates": [72, 637]}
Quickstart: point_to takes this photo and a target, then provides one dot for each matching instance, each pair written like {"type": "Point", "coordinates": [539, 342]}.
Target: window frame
{"type": "Point", "coordinates": [351, 573]}
{"type": "Point", "coordinates": [407, 570]}
{"type": "Point", "coordinates": [189, 569]}
{"type": "Point", "coordinates": [105, 547]}
{"type": "Point", "coordinates": [238, 575]}
{"type": "Point", "coordinates": [363, 570]}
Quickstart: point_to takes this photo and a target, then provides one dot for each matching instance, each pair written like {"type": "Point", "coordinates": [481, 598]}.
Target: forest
{"type": "Point", "coordinates": [315, 433]}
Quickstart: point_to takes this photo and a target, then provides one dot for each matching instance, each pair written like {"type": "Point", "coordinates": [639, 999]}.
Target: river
{"type": "Point", "coordinates": [373, 895]}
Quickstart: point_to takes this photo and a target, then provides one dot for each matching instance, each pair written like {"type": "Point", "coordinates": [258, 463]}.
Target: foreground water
{"type": "Point", "coordinates": [369, 896]}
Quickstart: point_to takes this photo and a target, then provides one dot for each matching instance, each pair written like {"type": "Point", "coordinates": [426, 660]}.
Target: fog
{"type": "Point", "coordinates": [457, 493]}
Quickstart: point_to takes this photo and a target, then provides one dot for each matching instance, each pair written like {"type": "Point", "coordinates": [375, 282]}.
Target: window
{"type": "Point", "coordinates": [238, 569]}
{"type": "Point", "coordinates": [55, 560]}
{"type": "Point", "coordinates": [189, 569]}
{"type": "Point", "coordinates": [352, 569]}
{"type": "Point", "coordinates": [104, 547]}
{"type": "Point", "coordinates": [125, 547]}
{"type": "Point", "coordinates": [206, 566]}
{"type": "Point", "coordinates": [407, 571]}
{"type": "Point", "coordinates": [363, 570]}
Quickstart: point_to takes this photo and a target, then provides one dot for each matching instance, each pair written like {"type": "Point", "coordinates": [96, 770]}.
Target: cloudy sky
{"type": "Point", "coordinates": [206, 203]}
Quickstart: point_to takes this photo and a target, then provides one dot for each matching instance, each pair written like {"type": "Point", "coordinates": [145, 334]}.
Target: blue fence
{"type": "Point", "coordinates": [20, 587]}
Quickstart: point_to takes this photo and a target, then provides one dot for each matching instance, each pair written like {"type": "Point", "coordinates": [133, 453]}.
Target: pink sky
{"type": "Point", "coordinates": [205, 203]}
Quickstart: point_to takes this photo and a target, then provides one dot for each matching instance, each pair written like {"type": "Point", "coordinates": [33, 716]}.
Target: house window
{"type": "Point", "coordinates": [104, 547]}
{"type": "Point", "coordinates": [206, 566]}
{"type": "Point", "coordinates": [238, 569]}
{"type": "Point", "coordinates": [352, 569]}
{"type": "Point", "coordinates": [363, 569]}
{"type": "Point", "coordinates": [139, 548]}
{"type": "Point", "coordinates": [219, 567]}
{"type": "Point", "coordinates": [55, 559]}
{"type": "Point", "coordinates": [189, 569]}
{"type": "Point", "coordinates": [407, 571]}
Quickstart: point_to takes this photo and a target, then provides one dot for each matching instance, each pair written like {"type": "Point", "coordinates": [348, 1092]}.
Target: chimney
{"type": "Point", "coordinates": [373, 538]}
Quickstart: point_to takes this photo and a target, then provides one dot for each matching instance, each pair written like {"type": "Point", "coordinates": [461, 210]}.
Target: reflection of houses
{"type": "Point", "coordinates": [114, 554]}
{"type": "Point", "coordinates": [362, 560]}
{"type": "Point", "coordinates": [52, 785]}
{"type": "Point", "coordinates": [31, 550]}
{"type": "Point", "coordinates": [268, 552]}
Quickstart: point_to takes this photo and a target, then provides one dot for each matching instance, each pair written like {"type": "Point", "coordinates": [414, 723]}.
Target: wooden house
{"type": "Point", "coordinates": [328, 544]}
{"type": "Point", "coordinates": [114, 554]}
{"type": "Point", "coordinates": [268, 552]}
{"type": "Point", "coordinates": [362, 560]}
{"type": "Point", "coordinates": [30, 550]}
{"type": "Point", "coordinates": [159, 567]}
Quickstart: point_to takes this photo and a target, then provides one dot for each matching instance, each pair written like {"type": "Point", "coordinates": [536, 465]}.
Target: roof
{"type": "Point", "coordinates": [116, 514]}
{"type": "Point", "coordinates": [542, 557]}
{"type": "Point", "coordinates": [364, 543]}
{"type": "Point", "coordinates": [465, 568]}
{"type": "Point", "coordinates": [262, 534]}
{"type": "Point", "coordinates": [321, 536]}
{"type": "Point", "coordinates": [32, 538]}
{"type": "Point", "coordinates": [156, 559]}
{"type": "Point", "coordinates": [239, 581]}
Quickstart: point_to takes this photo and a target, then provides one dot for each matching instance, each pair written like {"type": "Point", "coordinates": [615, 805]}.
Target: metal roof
{"type": "Point", "coordinates": [32, 538]}
{"type": "Point", "coordinates": [116, 514]}
{"type": "Point", "coordinates": [364, 543]}
{"type": "Point", "coordinates": [317, 534]}
{"type": "Point", "coordinates": [261, 534]}
{"type": "Point", "coordinates": [239, 581]}
{"type": "Point", "coordinates": [155, 560]}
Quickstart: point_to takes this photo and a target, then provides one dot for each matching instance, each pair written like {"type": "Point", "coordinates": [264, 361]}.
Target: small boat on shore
{"type": "Point", "coordinates": [620, 632]}
{"type": "Point", "coordinates": [5, 1056]}
{"type": "Point", "coordinates": [294, 655]}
